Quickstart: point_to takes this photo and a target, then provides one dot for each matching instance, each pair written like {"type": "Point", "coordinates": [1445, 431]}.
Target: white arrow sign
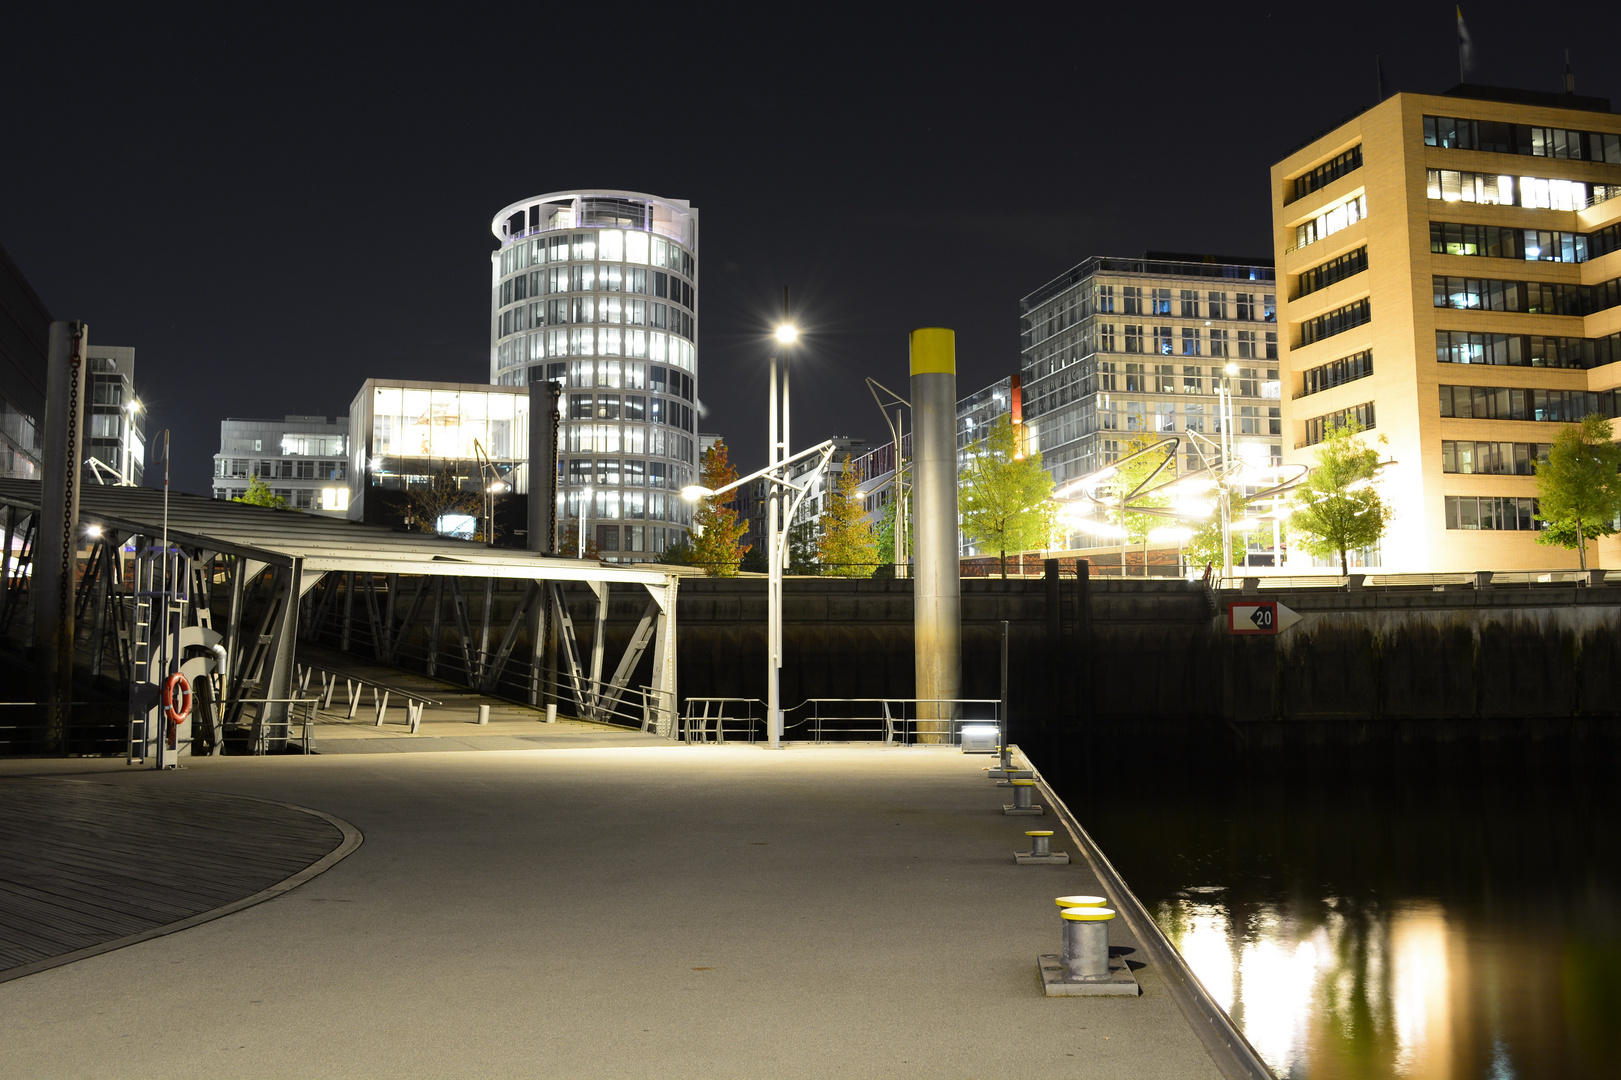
{"type": "Point", "coordinates": [1260, 617]}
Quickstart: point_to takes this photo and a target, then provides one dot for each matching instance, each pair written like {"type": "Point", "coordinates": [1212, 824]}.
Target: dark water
{"type": "Point", "coordinates": [1428, 910]}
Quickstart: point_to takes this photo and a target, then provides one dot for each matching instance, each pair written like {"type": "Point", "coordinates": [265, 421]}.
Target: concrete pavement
{"type": "Point", "coordinates": [672, 911]}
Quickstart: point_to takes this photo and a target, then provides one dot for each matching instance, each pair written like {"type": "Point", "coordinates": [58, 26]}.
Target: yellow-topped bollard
{"type": "Point", "coordinates": [1021, 804]}
{"type": "Point", "coordinates": [1082, 901]}
{"type": "Point", "coordinates": [937, 588]}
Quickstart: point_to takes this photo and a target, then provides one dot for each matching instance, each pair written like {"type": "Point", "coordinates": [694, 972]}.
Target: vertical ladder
{"type": "Point", "coordinates": [140, 657]}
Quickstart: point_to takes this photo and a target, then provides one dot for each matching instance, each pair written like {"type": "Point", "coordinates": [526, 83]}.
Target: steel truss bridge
{"type": "Point", "coordinates": [285, 575]}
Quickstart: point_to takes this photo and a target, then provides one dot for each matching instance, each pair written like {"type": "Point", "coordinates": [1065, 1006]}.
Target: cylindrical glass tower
{"type": "Point", "coordinates": [598, 291]}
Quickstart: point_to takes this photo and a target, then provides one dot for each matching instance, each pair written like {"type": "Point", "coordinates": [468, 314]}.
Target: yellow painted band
{"type": "Point", "coordinates": [934, 351]}
{"type": "Point", "coordinates": [1087, 914]}
{"type": "Point", "coordinates": [1081, 901]}
{"type": "Point", "coordinates": [1022, 783]}
{"type": "Point", "coordinates": [1038, 832]}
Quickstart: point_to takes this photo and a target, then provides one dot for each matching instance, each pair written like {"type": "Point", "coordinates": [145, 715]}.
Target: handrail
{"type": "Point", "coordinates": [396, 691]}
{"type": "Point", "coordinates": [891, 725]}
{"type": "Point", "coordinates": [1229, 1050]}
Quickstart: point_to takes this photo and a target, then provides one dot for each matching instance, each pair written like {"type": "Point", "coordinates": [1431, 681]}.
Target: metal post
{"type": "Point", "coordinates": [543, 418]}
{"type": "Point", "coordinates": [1006, 739]}
{"type": "Point", "coordinates": [937, 589]}
{"type": "Point", "coordinates": [56, 541]}
{"type": "Point", "coordinates": [774, 539]}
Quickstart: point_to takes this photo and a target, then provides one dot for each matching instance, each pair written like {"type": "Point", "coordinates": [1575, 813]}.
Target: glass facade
{"type": "Point", "coordinates": [598, 292]}
{"type": "Point", "coordinates": [1118, 347]}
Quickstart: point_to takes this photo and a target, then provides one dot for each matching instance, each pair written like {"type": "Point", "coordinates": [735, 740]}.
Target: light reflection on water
{"type": "Point", "coordinates": [1379, 985]}
{"type": "Point", "coordinates": [1445, 913]}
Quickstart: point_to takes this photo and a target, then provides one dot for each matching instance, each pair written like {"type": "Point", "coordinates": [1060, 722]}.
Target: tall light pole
{"type": "Point", "coordinates": [1225, 404]}
{"type": "Point", "coordinates": [777, 527]}
{"type": "Point", "coordinates": [579, 518]}
{"type": "Point", "coordinates": [131, 407]}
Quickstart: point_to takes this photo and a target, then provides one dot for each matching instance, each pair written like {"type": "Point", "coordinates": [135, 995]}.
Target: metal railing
{"type": "Point", "coordinates": [84, 728]}
{"type": "Point", "coordinates": [891, 721]}
{"type": "Point", "coordinates": [355, 688]}
{"type": "Point", "coordinates": [1481, 579]}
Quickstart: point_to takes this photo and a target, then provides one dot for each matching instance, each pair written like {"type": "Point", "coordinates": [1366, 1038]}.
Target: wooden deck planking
{"type": "Point", "coordinates": [86, 863]}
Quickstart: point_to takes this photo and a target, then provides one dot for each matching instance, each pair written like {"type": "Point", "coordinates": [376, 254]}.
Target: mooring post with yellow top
{"type": "Point", "coordinates": [937, 584]}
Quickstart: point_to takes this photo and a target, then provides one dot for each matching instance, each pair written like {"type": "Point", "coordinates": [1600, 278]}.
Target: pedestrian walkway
{"type": "Point", "coordinates": [665, 911]}
{"type": "Point", "coordinates": [450, 723]}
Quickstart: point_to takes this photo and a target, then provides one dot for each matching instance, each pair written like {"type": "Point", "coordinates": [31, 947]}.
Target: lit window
{"type": "Point", "coordinates": [610, 245]}
{"type": "Point", "coordinates": [335, 498]}
{"type": "Point", "coordinates": [636, 247]}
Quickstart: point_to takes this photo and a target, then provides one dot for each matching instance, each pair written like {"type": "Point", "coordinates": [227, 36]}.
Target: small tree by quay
{"type": "Point", "coordinates": [1203, 548]}
{"type": "Point", "coordinates": [847, 547]}
{"type": "Point", "coordinates": [443, 496]}
{"type": "Point", "coordinates": [259, 494]}
{"type": "Point", "coordinates": [1579, 487]}
{"type": "Point", "coordinates": [1338, 508]}
{"type": "Point", "coordinates": [1005, 500]}
{"type": "Point", "coordinates": [718, 530]}
{"type": "Point", "coordinates": [1136, 527]}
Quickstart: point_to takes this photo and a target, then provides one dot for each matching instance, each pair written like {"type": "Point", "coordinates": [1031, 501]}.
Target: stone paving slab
{"type": "Point", "coordinates": [672, 911]}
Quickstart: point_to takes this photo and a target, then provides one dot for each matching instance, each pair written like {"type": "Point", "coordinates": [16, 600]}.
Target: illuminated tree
{"type": "Point", "coordinates": [717, 528]}
{"type": "Point", "coordinates": [1203, 548]}
{"type": "Point", "coordinates": [1005, 499]}
{"type": "Point", "coordinates": [443, 496]}
{"type": "Point", "coordinates": [1337, 507]}
{"type": "Point", "coordinates": [1128, 478]}
{"type": "Point", "coordinates": [1579, 487]}
{"type": "Point", "coordinates": [259, 494]}
{"type": "Point", "coordinates": [847, 547]}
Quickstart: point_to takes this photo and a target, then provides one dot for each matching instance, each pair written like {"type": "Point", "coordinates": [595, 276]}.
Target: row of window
{"type": "Point", "coordinates": [1491, 458]}
{"type": "Point", "coordinates": [629, 472]}
{"type": "Point", "coordinates": [632, 537]}
{"type": "Point", "coordinates": [584, 279]}
{"type": "Point", "coordinates": [1166, 379]}
{"type": "Point", "coordinates": [623, 374]}
{"type": "Point", "coordinates": [614, 505]}
{"type": "Point", "coordinates": [1498, 242]}
{"type": "Point", "coordinates": [1332, 220]}
{"type": "Point", "coordinates": [281, 469]}
{"type": "Point", "coordinates": [592, 438]}
{"type": "Point", "coordinates": [1531, 297]}
{"type": "Point", "coordinates": [629, 407]}
{"type": "Point", "coordinates": [1318, 427]}
{"type": "Point", "coordinates": [1525, 350]}
{"type": "Point", "coordinates": [1337, 372]}
{"type": "Point", "coordinates": [605, 245]}
{"type": "Point", "coordinates": [1328, 172]}
{"type": "Point", "coordinates": [1108, 299]}
{"type": "Point", "coordinates": [1162, 416]}
{"type": "Point", "coordinates": [1334, 270]}
{"type": "Point", "coordinates": [1192, 341]}
{"type": "Point", "coordinates": [1335, 322]}
{"type": "Point", "coordinates": [1492, 512]}
{"type": "Point", "coordinates": [587, 309]}
{"type": "Point", "coordinates": [1499, 137]}
{"type": "Point", "coordinates": [1496, 189]}
{"type": "Point", "coordinates": [1524, 403]}
{"type": "Point", "coordinates": [608, 341]}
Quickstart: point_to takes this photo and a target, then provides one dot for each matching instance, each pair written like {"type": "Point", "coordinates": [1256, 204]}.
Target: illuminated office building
{"type": "Point", "coordinates": [303, 459]}
{"type": "Point", "coordinates": [598, 291]}
{"type": "Point", "coordinates": [1451, 280]}
{"type": "Point", "coordinates": [115, 429]}
{"type": "Point", "coordinates": [1120, 348]}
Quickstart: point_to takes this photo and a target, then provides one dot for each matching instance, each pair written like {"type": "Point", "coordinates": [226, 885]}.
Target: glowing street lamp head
{"type": "Point", "coordinates": [787, 333]}
{"type": "Point", "coordinates": [93, 531]}
{"type": "Point", "coordinates": [133, 406]}
{"type": "Point", "coordinates": [1232, 369]}
{"type": "Point", "coordinates": [693, 492]}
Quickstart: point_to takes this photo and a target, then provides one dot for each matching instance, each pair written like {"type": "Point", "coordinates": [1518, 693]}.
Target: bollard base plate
{"type": "Point", "coordinates": [1057, 858]}
{"type": "Point", "coordinates": [1055, 983]}
{"type": "Point", "coordinates": [1034, 810]}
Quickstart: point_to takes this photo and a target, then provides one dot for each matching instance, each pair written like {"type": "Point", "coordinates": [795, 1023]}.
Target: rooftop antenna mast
{"type": "Point", "coordinates": [1570, 76]}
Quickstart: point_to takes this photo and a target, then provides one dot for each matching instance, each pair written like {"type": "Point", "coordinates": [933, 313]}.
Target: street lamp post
{"type": "Point", "coordinates": [777, 526]}
{"type": "Point", "coordinates": [579, 519]}
{"type": "Point", "coordinates": [1225, 403]}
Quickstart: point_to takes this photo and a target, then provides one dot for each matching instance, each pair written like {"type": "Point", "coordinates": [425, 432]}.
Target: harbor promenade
{"type": "Point", "coordinates": [654, 910]}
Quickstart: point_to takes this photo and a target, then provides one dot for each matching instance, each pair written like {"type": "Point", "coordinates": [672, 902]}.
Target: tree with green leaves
{"type": "Point", "coordinates": [802, 549]}
{"type": "Point", "coordinates": [1004, 497]}
{"type": "Point", "coordinates": [717, 528]}
{"type": "Point", "coordinates": [1338, 507]}
{"type": "Point", "coordinates": [1127, 478]}
{"type": "Point", "coordinates": [443, 496]}
{"type": "Point", "coordinates": [259, 494]}
{"type": "Point", "coordinates": [883, 533]}
{"type": "Point", "coordinates": [1203, 548]}
{"type": "Point", "coordinates": [846, 546]}
{"type": "Point", "coordinates": [1579, 486]}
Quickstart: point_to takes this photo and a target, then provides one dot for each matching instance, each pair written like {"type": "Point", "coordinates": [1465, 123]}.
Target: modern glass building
{"type": "Point", "coordinates": [598, 291]}
{"type": "Point", "coordinates": [115, 435]}
{"type": "Point", "coordinates": [303, 459]}
{"type": "Point", "coordinates": [1116, 348]}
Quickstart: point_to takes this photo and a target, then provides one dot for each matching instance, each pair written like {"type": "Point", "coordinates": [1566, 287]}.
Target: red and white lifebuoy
{"type": "Point", "coordinates": [176, 698]}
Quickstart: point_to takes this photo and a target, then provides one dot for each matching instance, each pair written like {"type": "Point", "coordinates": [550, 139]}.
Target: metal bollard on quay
{"type": "Point", "coordinates": [1041, 852]}
{"type": "Point", "coordinates": [1021, 804]}
{"type": "Point", "coordinates": [1083, 967]}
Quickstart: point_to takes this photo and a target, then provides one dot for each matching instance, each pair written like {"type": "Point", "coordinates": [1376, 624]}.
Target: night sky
{"type": "Point", "coordinates": [271, 211]}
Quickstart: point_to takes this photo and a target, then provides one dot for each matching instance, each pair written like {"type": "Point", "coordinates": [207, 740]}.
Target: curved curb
{"type": "Point", "coordinates": [351, 841]}
{"type": "Point", "coordinates": [1229, 1050]}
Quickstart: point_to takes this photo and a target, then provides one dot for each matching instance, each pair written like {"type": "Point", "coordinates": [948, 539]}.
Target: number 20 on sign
{"type": "Point", "coordinates": [1259, 617]}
